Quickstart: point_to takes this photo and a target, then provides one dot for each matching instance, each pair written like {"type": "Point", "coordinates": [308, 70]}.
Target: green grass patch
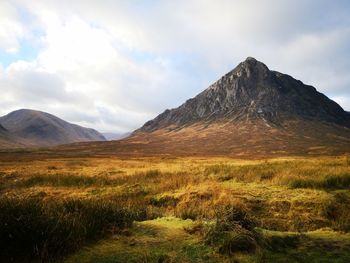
{"type": "Point", "coordinates": [160, 240]}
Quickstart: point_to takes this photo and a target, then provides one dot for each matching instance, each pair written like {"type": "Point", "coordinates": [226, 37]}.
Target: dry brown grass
{"type": "Point", "coordinates": [286, 194]}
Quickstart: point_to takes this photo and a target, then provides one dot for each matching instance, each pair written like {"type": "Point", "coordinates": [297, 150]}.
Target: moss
{"type": "Point", "coordinates": [159, 240]}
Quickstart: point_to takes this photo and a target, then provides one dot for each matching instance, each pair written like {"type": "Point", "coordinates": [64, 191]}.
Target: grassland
{"type": "Point", "coordinates": [163, 209]}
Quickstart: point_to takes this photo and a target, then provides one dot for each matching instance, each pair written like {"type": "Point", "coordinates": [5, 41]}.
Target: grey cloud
{"type": "Point", "coordinates": [28, 83]}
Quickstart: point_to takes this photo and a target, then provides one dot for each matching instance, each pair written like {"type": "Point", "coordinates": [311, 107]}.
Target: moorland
{"type": "Point", "coordinates": [174, 209]}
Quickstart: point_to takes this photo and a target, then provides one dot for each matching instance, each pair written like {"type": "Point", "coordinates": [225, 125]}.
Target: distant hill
{"type": "Point", "coordinates": [115, 136]}
{"type": "Point", "coordinates": [36, 128]}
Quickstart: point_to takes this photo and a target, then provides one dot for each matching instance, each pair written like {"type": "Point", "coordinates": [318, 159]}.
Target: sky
{"type": "Point", "coordinates": [113, 65]}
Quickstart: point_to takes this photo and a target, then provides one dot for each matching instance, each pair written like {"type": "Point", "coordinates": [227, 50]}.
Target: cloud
{"type": "Point", "coordinates": [30, 82]}
{"type": "Point", "coordinates": [113, 65]}
{"type": "Point", "coordinates": [10, 29]}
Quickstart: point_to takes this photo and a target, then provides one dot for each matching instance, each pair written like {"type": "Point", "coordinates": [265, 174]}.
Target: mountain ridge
{"type": "Point", "coordinates": [250, 111]}
{"type": "Point", "coordinates": [251, 91]}
{"type": "Point", "coordinates": [37, 128]}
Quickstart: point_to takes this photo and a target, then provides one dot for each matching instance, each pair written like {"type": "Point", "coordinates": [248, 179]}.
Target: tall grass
{"type": "Point", "coordinates": [47, 230]}
{"type": "Point", "coordinates": [71, 180]}
{"type": "Point", "coordinates": [64, 180]}
{"type": "Point", "coordinates": [322, 174]}
{"type": "Point", "coordinates": [254, 172]}
{"type": "Point", "coordinates": [341, 181]}
{"type": "Point", "coordinates": [233, 231]}
{"type": "Point", "coordinates": [157, 180]}
{"type": "Point", "coordinates": [337, 210]}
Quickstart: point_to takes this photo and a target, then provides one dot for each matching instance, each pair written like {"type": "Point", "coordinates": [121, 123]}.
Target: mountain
{"type": "Point", "coordinates": [252, 92]}
{"type": "Point", "coordinates": [250, 111]}
{"type": "Point", "coordinates": [110, 136]}
{"type": "Point", "coordinates": [36, 128]}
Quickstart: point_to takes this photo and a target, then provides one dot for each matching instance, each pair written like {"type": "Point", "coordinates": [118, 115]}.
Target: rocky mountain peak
{"type": "Point", "coordinates": [252, 91]}
{"type": "Point", "coordinates": [251, 65]}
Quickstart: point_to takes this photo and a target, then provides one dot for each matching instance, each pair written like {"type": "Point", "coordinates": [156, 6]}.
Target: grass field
{"type": "Point", "coordinates": [175, 209]}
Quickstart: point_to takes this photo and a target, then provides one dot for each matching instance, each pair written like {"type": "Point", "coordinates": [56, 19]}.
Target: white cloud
{"type": "Point", "coordinates": [112, 65]}
{"type": "Point", "coordinates": [10, 29]}
{"type": "Point", "coordinates": [28, 81]}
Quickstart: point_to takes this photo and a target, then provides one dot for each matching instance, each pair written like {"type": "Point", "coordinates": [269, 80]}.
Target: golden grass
{"type": "Point", "coordinates": [282, 194]}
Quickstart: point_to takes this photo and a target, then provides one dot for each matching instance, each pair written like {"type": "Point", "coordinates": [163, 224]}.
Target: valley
{"type": "Point", "coordinates": [174, 131]}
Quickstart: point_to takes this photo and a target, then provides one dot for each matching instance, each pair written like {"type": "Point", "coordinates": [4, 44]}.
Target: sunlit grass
{"type": "Point", "coordinates": [289, 194]}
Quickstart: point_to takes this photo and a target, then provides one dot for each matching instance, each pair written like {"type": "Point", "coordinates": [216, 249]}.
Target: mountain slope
{"type": "Point", "coordinates": [6, 140]}
{"type": "Point", "coordinates": [251, 111]}
{"type": "Point", "coordinates": [36, 128]}
{"type": "Point", "coordinates": [252, 91]}
{"type": "Point", "coordinates": [2, 130]}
